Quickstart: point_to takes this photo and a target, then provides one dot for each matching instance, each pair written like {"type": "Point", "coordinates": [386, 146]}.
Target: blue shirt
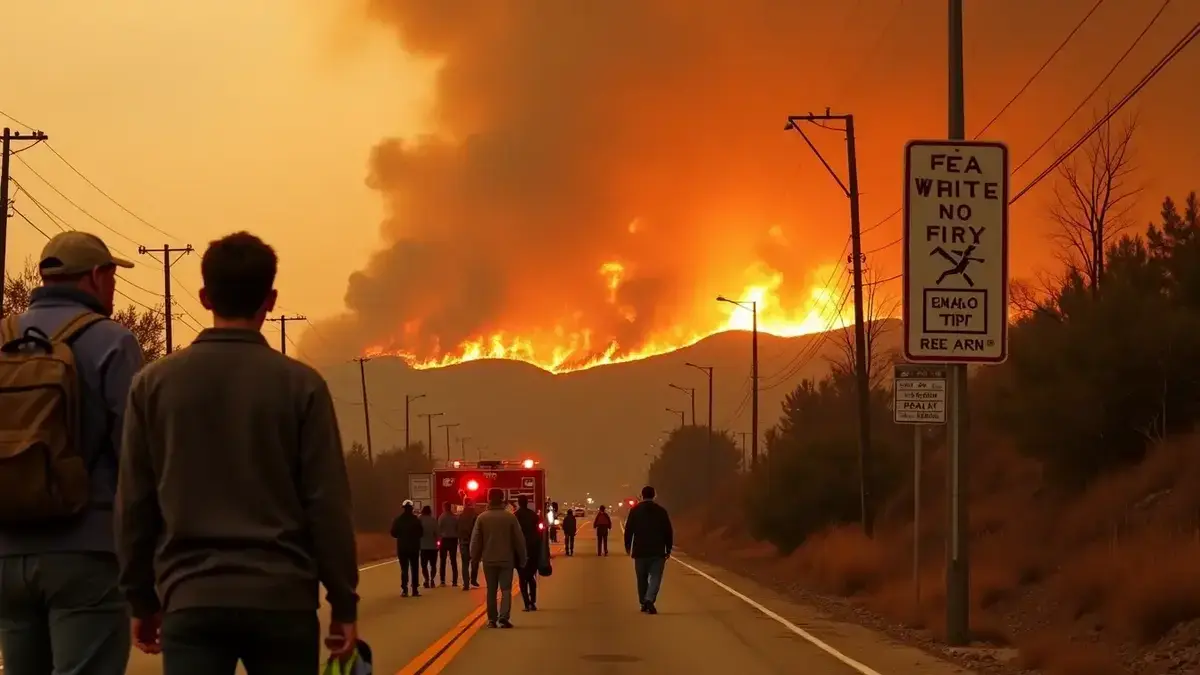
{"type": "Point", "coordinates": [108, 356]}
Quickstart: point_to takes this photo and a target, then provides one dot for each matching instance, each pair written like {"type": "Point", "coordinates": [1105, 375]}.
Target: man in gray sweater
{"type": "Point", "coordinates": [447, 543]}
{"type": "Point", "coordinates": [233, 501]}
{"type": "Point", "coordinates": [498, 546]}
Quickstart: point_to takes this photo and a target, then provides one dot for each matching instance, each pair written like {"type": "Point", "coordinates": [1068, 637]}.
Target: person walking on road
{"type": "Point", "coordinates": [429, 545]}
{"type": "Point", "coordinates": [602, 524]}
{"type": "Point", "coordinates": [233, 501]}
{"type": "Point", "coordinates": [648, 540]}
{"type": "Point", "coordinates": [527, 573]}
{"type": "Point", "coordinates": [448, 543]}
{"type": "Point", "coordinates": [466, 525]}
{"type": "Point", "coordinates": [569, 528]}
{"type": "Point", "coordinates": [407, 531]}
{"type": "Point", "coordinates": [60, 608]}
{"type": "Point", "coordinates": [499, 547]}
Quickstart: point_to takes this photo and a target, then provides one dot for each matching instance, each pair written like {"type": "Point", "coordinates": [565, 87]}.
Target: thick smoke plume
{"type": "Point", "coordinates": [600, 169]}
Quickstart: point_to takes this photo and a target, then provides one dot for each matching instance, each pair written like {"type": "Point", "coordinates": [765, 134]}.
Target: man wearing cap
{"type": "Point", "coordinates": [60, 608]}
{"type": "Point", "coordinates": [407, 530]}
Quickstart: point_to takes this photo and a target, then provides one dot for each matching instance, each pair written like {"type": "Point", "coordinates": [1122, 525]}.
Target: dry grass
{"type": "Point", "coordinates": [1115, 565]}
{"type": "Point", "coordinates": [1056, 656]}
{"type": "Point", "coordinates": [373, 546]}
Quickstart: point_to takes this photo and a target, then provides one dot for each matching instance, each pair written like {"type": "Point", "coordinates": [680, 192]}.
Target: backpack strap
{"type": "Point", "coordinates": [74, 328]}
{"type": "Point", "coordinates": [10, 329]}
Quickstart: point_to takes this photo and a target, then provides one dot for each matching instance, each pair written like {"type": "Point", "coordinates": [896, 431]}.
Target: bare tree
{"type": "Point", "coordinates": [1093, 197]}
{"type": "Point", "coordinates": [880, 307]}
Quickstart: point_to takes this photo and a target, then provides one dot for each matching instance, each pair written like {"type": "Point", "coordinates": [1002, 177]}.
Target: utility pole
{"type": "Point", "coordinates": [429, 439]}
{"type": "Point", "coordinates": [408, 399]}
{"type": "Point", "coordinates": [958, 580]}
{"type": "Point", "coordinates": [862, 376]}
{"type": "Point", "coordinates": [283, 320]}
{"type": "Point", "coordinates": [167, 263]}
{"type": "Point", "coordinates": [744, 434]}
{"type": "Point", "coordinates": [462, 446]}
{"type": "Point", "coordinates": [448, 426]}
{"type": "Point", "coordinates": [6, 141]}
{"type": "Point", "coordinates": [362, 376]}
{"type": "Point", "coordinates": [707, 370]}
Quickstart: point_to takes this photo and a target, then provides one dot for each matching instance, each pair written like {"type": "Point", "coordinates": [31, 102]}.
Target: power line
{"type": "Point", "coordinates": [1182, 44]}
{"type": "Point", "coordinates": [1062, 45]}
{"type": "Point", "coordinates": [873, 50]}
{"type": "Point", "coordinates": [72, 202]}
{"type": "Point", "coordinates": [108, 196]}
{"type": "Point", "coordinates": [1103, 80]}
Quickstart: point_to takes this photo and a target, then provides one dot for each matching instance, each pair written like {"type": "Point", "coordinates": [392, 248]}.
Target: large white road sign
{"type": "Point", "coordinates": [955, 252]}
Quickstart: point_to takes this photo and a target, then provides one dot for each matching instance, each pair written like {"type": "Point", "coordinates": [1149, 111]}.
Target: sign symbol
{"type": "Point", "coordinates": [959, 260]}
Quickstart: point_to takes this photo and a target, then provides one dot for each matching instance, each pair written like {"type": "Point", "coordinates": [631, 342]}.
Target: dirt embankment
{"type": "Point", "coordinates": [1103, 583]}
{"type": "Point", "coordinates": [373, 547]}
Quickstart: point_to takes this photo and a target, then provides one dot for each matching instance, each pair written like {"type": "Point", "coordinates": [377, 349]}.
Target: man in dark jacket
{"type": "Point", "coordinates": [407, 530]}
{"type": "Point", "coordinates": [602, 524]}
{"type": "Point", "coordinates": [529, 521]}
{"type": "Point", "coordinates": [648, 540]}
{"type": "Point", "coordinates": [569, 527]}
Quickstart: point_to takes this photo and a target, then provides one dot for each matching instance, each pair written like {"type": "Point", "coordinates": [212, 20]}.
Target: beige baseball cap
{"type": "Point", "coordinates": [76, 252]}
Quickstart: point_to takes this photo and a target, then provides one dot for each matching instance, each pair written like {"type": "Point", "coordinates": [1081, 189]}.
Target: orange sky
{"type": "Point", "coordinates": [266, 116]}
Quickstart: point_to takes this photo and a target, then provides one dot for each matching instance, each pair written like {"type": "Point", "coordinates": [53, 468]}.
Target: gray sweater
{"type": "Point", "coordinates": [447, 526]}
{"type": "Point", "coordinates": [429, 537]}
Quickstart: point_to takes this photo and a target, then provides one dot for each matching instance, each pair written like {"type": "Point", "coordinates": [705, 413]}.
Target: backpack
{"type": "Point", "coordinates": [43, 474]}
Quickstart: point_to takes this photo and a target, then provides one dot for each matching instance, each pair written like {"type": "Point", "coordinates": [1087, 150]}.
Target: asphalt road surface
{"type": "Point", "coordinates": [709, 621]}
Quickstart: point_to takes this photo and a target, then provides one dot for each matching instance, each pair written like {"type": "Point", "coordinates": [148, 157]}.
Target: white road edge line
{"type": "Point", "coordinates": [373, 565]}
{"type": "Point", "coordinates": [862, 668]}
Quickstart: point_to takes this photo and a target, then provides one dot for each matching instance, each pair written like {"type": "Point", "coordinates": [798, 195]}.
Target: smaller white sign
{"type": "Point", "coordinates": [919, 394]}
{"type": "Point", "coordinates": [420, 487]}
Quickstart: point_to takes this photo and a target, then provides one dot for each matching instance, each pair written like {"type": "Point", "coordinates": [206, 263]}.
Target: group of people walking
{"type": "Point", "coordinates": [497, 540]}
{"type": "Point", "coordinates": [191, 506]}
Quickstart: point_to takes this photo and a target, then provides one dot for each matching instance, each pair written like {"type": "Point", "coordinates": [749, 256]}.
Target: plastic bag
{"type": "Point", "coordinates": [359, 663]}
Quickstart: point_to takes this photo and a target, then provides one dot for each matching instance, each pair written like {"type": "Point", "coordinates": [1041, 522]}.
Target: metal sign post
{"type": "Point", "coordinates": [956, 293]}
{"type": "Point", "coordinates": [919, 397]}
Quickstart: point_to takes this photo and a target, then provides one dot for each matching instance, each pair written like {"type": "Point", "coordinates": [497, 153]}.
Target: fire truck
{"type": "Point", "coordinates": [474, 479]}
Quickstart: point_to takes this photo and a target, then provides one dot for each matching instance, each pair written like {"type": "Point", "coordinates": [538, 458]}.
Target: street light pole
{"type": "Point", "coordinates": [448, 426]}
{"type": "Point", "coordinates": [429, 438]}
{"type": "Point", "coordinates": [707, 370]}
{"type": "Point", "coordinates": [408, 419]}
{"type": "Point", "coordinates": [681, 415]}
{"type": "Point", "coordinates": [753, 373]}
{"type": "Point", "coordinates": [691, 392]}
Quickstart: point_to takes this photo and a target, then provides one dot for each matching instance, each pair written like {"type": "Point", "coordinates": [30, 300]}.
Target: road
{"type": "Point", "coordinates": [588, 623]}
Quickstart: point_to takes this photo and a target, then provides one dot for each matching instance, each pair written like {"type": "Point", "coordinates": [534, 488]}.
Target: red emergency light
{"type": "Point", "coordinates": [472, 485]}
{"type": "Point", "coordinates": [631, 502]}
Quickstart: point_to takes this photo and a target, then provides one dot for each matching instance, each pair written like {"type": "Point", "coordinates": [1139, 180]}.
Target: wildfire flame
{"type": "Point", "coordinates": [560, 350]}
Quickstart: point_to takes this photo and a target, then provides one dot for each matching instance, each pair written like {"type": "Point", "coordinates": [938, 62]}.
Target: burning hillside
{"type": "Point", "coordinates": [594, 176]}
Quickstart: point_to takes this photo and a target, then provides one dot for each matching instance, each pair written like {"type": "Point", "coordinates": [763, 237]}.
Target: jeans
{"type": "Point", "coordinates": [211, 641]}
{"type": "Point", "coordinates": [602, 541]}
{"type": "Point", "coordinates": [61, 613]}
{"type": "Point", "coordinates": [649, 573]}
{"type": "Point", "coordinates": [428, 564]}
{"type": "Point", "coordinates": [498, 578]}
{"type": "Point", "coordinates": [468, 565]}
{"type": "Point", "coordinates": [527, 577]}
{"type": "Point", "coordinates": [409, 561]}
{"type": "Point", "coordinates": [568, 544]}
{"type": "Point", "coordinates": [448, 550]}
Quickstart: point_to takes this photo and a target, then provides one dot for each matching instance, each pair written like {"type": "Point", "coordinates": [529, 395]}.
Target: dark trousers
{"type": "Point", "coordinates": [569, 544]}
{"type": "Point", "coordinates": [468, 566]}
{"type": "Point", "coordinates": [602, 541]}
{"type": "Point", "coordinates": [649, 573]}
{"type": "Point", "coordinates": [448, 551]}
{"type": "Point", "coordinates": [62, 613]}
{"type": "Point", "coordinates": [527, 576]}
{"type": "Point", "coordinates": [409, 560]}
{"type": "Point", "coordinates": [428, 564]}
{"type": "Point", "coordinates": [211, 641]}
